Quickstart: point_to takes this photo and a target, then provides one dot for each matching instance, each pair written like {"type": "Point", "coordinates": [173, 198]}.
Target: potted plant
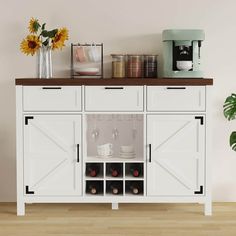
{"type": "Point", "coordinates": [42, 41]}
{"type": "Point", "coordinates": [230, 114]}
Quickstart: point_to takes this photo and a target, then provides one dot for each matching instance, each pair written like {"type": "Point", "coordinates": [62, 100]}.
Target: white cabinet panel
{"type": "Point", "coordinates": [176, 148]}
{"type": "Point", "coordinates": [114, 98]}
{"type": "Point", "coordinates": [175, 98]}
{"type": "Point", "coordinates": [52, 160]}
{"type": "Point", "coordinates": [52, 98]}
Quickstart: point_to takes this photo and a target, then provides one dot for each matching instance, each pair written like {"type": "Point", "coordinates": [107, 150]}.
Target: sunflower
{"type": "Point", "coordinates": [33, 25]}
{"type": "Point", "coordinates": [60, 38]}
{"type": "Point", "coordinates": [30, 44]}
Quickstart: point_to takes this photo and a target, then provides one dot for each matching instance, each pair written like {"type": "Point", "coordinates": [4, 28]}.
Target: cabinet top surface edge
{"type": "Point", "coordinates": [112, 81]}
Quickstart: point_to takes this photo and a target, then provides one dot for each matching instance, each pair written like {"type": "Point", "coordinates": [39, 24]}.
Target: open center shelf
{"type": "Point", "coordinates": [114, 163]}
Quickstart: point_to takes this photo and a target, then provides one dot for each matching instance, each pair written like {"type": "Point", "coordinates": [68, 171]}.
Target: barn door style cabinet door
{"type": "Point", "coordinates": [156, 133]}
{"type": "Point", "coordinates": [52, 150]}
{"type": "Point", "coordinates": [176, 155]}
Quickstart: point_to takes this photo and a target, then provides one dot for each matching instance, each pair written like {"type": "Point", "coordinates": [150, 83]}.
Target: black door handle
{"type": "Point", "coordinates": [150, 152]}
{"type": "Point", "coordinates": [51, 87]}
{"type": "Point", "coordinates": [77, 152]}
{"type": "Point", "coordinates": [114, 87]}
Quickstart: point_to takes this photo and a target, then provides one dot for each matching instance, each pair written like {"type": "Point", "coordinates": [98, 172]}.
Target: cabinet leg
{"type": "Point", "coordinates": [208, 208]}
{"type": "Point", "coordinates": [20, 208]}
{"type": "Point", "coordinates": [115, 206]}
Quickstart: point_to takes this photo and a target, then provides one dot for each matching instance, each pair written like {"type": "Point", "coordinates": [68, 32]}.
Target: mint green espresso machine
{"type": "Point", "coordinates": [182, 53]}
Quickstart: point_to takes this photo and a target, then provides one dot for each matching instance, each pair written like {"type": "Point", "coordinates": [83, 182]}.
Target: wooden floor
{"type": "Point", "coordinates": [129, 220]}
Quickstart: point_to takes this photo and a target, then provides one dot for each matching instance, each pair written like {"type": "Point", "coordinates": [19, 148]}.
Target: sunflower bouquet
{"type": "Point", "coordinates": [40, 37]}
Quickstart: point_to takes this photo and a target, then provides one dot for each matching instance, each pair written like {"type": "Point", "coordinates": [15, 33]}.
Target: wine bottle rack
{"type": "Point", "coordinates": [128, 173]}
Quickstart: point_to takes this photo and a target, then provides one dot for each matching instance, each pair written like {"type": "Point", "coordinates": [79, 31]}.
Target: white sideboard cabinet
{"type": "Point", "coordinates": [62, 122]}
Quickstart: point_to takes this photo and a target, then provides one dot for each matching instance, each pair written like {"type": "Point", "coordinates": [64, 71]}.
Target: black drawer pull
{"type": "Point", "coordinates": [176, 87]}
{"type": "Point", "coordinates": [114, 87]}
{"type": "Point", "coordinates": [51, 88]}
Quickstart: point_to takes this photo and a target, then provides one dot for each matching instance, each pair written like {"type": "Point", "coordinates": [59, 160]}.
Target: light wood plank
{"type": "Point", "coordinates": [129, 220]}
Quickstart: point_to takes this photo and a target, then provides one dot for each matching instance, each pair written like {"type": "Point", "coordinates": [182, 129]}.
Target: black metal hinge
{"type": "Point", "coordinates": [199, 191]}
{"type": "Point", "coordinates": [199, 118]}
{"type": "Point", "coordinates": [27, 190]}
{"type": "Point", "coordinates": [27, 118]}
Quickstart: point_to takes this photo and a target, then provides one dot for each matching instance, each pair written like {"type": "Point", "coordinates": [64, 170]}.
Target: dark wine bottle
{"type": "Point", "coordinates": [116, 188]}
{"type": "Point", "coordinates": [92, 170]}
{"type": "Point", "coordinates": [115, 170]}
{"type": "Point", "coordinates": [135, 170]}
{"type": "Point", "coordinates": [134, 188]}
{"type": "Point", "coordinates": [94, 188]}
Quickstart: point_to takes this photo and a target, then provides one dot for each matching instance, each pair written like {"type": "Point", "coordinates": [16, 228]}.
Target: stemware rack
{"type": "Point", "coordinates": [73, 60]}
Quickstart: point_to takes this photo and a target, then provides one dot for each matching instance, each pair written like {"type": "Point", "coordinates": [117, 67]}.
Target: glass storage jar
{"type": "Point", "coordinates": [134, 66]}
{"type": "Point", "coordinates": [118, 65]}
{"type": "Point", "coordinates": [150, 66]}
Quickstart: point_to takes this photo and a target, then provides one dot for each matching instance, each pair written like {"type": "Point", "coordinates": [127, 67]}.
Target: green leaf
{"type": "Point", "coordinates": [230, 107]}
{"type": "Point", "coordinates": [44, 33]}
{"type": "Point", "coordinates": [52, 33]}
{"type": "Point", "coordinates": [232, 140]}
{"type": "Point", "coordinates": [36, 26]}
{"type": "Point", "coordinates": [46, 42]}
{"type": "Point", "coordinates": [43, 26]}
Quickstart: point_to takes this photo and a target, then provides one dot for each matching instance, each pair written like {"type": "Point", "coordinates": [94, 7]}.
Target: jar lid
{"type": "Point", "coordinates": [118, 55]}
{"type": "Point", "coordinates": [150, 55]}
{"type": "Point", "coordinates": [134, 55]}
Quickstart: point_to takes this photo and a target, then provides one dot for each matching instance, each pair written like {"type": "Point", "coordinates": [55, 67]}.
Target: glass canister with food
{"type": "Point", "coordinates": [134, 66]}
{"type": "Point", "coordinates": [118, 65]}
{"type": "Point", "coordinates": [150, 66]}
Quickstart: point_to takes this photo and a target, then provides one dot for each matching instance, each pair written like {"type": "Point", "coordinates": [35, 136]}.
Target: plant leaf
{"type": "Point", "coordinates": [36, 26]}
{"type": "Point", "coordinates": [43, 26]}
{"type": "Point", "coordinates": [230, 107]}
{"type": "Point", "coordinates": [232, 140]}
{"type": "Point", "coordinates": [46, 42]}
{"type": "Point", "coordinates": [52, 33]}
{"type": "Point", "coordinates": [44, 33]}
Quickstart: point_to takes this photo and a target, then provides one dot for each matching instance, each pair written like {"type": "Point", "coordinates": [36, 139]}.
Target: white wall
{"type": "Point", "coordinates": [131, 26]}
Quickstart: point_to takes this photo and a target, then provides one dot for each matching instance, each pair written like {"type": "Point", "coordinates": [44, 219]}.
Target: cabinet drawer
{"type": "Point", "coordinates": [52, 98]}
{"type": "Point", "coordinates": [175, 98]}
{"type": "Point", "coordinates": [114, 98]}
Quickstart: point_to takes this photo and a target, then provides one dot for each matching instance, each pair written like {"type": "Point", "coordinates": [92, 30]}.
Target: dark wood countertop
{"type": "Point", "coordinates": [112, 81]}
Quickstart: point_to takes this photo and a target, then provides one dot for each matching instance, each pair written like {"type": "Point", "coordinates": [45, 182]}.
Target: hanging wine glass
{"type": "Point", "coordinates": [95, 131]}
{"type": "Point", "coordinates": [134, 127]}
{"type": "Point", "coordinates": [115, 132]}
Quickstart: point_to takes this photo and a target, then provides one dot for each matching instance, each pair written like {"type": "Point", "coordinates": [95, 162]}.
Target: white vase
{"type": "Point", "coordinates": [45, 62]}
